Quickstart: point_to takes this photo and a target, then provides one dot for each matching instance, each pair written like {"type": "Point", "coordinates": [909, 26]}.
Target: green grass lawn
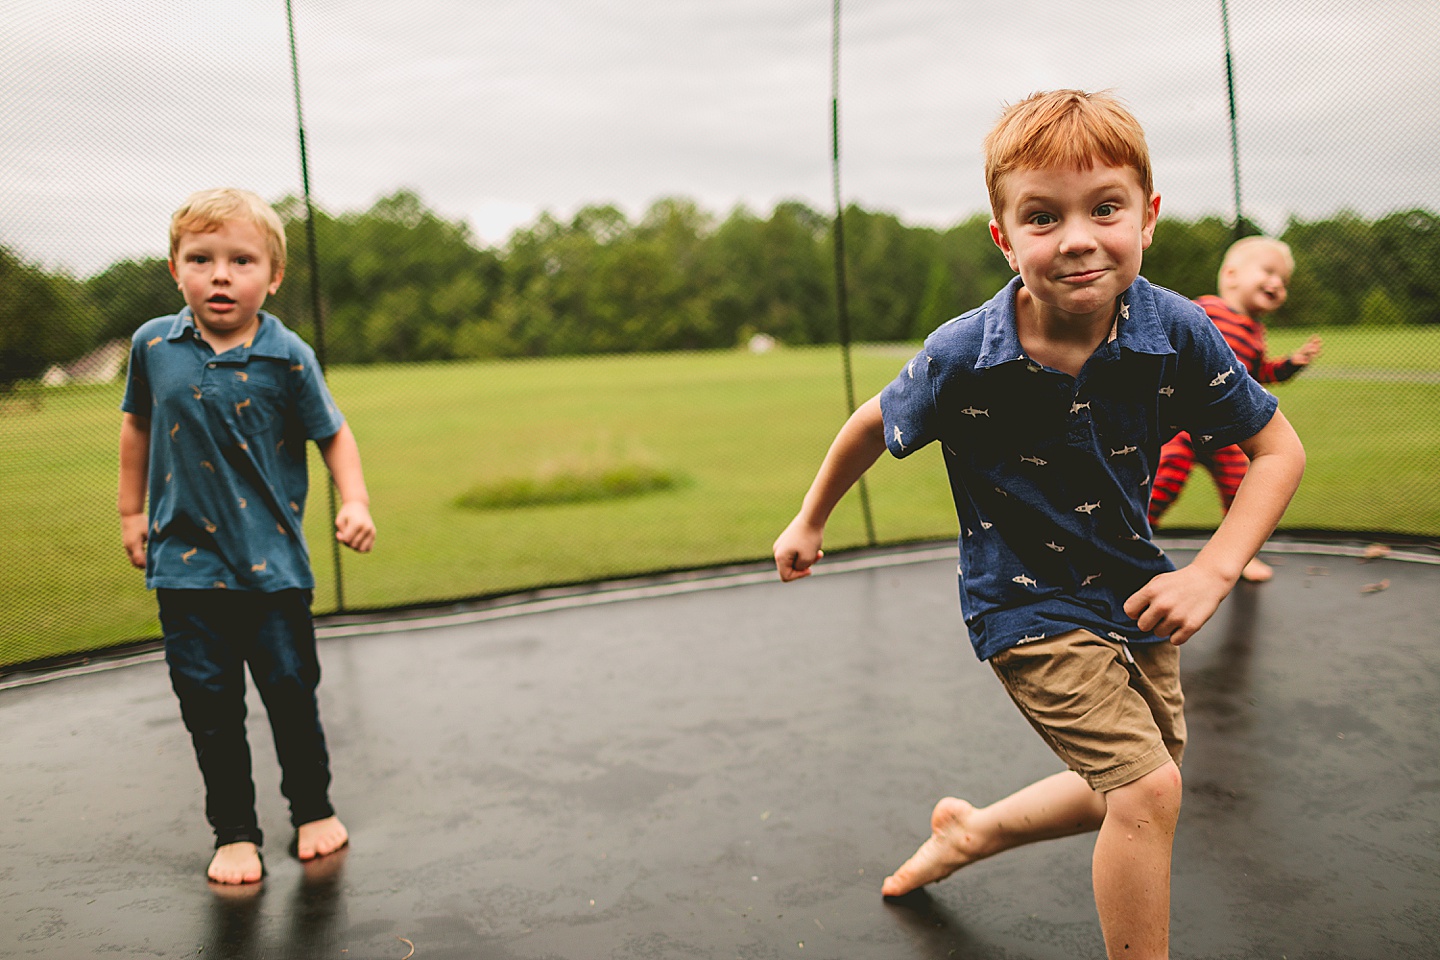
{"type": "Point", "coordinates": [745, 432]}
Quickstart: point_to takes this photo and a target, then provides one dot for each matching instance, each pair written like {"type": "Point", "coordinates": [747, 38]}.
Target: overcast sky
{"type": "Point", "coordinates": [494, 110]}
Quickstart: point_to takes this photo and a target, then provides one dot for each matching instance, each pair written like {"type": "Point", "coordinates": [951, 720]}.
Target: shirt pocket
{"type": "Point", "coordinates": [249, 401]}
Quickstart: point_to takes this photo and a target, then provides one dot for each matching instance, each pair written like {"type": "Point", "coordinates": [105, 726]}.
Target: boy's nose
{"type": "Point", "coordinates": [1077, 238]}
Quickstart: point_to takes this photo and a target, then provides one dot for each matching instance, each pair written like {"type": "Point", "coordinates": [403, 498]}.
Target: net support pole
{"type": "Point", "coordinates": [314, 264]}
{"type": "Point", "coordinates": [842, 311]}
{"type": "Point", "coordinates": [1234, 125]}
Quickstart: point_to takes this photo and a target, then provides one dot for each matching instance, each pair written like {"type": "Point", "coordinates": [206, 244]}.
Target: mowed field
{"type": "Point", "coordinates": [744, 432]}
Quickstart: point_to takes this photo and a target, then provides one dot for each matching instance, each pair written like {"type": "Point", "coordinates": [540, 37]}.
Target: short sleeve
{"type": "Point", "coordinates": [909, 406]}
{"type": "Point", "coordinates": [1218, 401]}
{"type": "Point", "coordinates": [318, 412]}
{"type": "Point", "coordinates": [138, 399]}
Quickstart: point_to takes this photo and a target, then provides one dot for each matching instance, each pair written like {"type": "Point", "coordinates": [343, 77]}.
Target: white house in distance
{"type": "Point", "coordinates": [101, 365]}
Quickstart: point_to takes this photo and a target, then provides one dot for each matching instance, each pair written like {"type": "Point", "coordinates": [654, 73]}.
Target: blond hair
{"type": "Point", "coordinates": [1243, 247]}
{"type": "Point", "coordinates": [1064, 128]}
{"type": "Point", "coordinates": [208, 210]}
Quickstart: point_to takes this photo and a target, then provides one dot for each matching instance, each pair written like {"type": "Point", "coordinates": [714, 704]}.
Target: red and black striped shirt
{"type": "Point", "coordinates": [1246, 337]}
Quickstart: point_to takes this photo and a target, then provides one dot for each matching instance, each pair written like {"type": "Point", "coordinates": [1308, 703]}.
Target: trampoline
{"type": "Point", "coordinates": [722, 766]}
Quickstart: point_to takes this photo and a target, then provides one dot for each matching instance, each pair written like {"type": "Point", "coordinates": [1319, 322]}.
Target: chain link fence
{"type": "Point", "coordinates": [575, 263]}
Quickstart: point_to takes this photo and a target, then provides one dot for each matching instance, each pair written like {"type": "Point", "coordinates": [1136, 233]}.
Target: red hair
{"type": "Point", "coordinates": [1064, 128]}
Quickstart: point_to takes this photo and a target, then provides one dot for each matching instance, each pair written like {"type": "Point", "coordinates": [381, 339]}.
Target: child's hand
{"type": "Point", "coordinates": [797, 549]}
{"type": "Point", "coordinates": [1306, 353]}
{"type": "Point", "coordinates": [353, 526]}
{"type": "Point", "coordinates": [1178, 603]}
{"type": "Point", "coordinates": [134, 533]}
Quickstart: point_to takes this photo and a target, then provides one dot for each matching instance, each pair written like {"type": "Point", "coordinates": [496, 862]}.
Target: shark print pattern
{"type": "Point", "coordinates": [1065, 493]}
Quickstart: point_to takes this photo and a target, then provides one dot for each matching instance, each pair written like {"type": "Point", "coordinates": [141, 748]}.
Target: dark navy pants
{"type": "Point", "coordinates": [210, 636]}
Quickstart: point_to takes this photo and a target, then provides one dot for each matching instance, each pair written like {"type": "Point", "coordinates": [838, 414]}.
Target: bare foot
{"type": "Point", "coordinates": [236, 863]}
{"type": "Point", "coordinates": [319, 837]}
{"type": "Point", "coordinates": [951, 846]}
{"type": "Point", "coordinates": [320, 871]}
{"type": "Point", "coordinates": [1257, 571]}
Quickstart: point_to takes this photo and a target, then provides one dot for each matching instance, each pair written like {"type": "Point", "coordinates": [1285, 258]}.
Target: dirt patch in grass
{"type": "Point", "coordinates": [576, 484]}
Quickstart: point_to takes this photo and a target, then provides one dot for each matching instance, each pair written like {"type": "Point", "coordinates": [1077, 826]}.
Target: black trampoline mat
{"type": "Point", "coordinates": [727, 768]}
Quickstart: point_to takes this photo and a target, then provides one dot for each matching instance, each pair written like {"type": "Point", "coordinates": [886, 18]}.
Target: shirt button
{"type": "Point", "coordinates": [210, 365]}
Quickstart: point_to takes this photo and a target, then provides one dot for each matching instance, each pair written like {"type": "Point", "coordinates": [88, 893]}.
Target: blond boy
{"type": "Point", "coordinates": [219, 402]}
{"type": "Point", "coordinates": [1050, 402]}
{"type": "Point", "coordinates": [1253, 283]}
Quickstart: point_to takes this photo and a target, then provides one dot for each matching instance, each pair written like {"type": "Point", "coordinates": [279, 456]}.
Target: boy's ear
{"type": "Point", "coordinates": [1152, 216]}
{"type": "Point", "coordinates": [997, 233]}
{"type": "Point", "coordinates": [173, 274]}
{"type": "Point", "coordinates": [275, 277]}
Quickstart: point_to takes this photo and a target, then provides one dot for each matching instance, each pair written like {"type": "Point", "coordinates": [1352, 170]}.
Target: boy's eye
{"type": "Point", "coordinates": [1105, 210]}
{"type": "Point", "coordinates": [1042, 219]}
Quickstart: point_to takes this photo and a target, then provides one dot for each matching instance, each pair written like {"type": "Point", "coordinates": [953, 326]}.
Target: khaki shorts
{"type": "Point", "coordinates": [1112, 711]}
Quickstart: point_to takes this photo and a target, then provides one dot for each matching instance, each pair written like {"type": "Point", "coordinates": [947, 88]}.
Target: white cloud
{"type": "Point", "coordinates": [111, 113]}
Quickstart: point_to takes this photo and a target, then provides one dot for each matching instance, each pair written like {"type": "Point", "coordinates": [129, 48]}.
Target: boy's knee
{"type": "Point", "coordinates": [208, 708]}
{"type": "Point", "coordinates": [1155, 795]}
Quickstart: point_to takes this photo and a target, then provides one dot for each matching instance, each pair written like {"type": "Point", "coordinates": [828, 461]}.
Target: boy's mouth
{"type": "Point", "coordinates": [220, 298]}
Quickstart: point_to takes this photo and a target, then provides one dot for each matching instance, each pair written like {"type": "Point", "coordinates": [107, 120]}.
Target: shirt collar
{"type": "Point", "coordinates": [267, 341]}
{"type": "Point", "coordinates": [1137, 328]}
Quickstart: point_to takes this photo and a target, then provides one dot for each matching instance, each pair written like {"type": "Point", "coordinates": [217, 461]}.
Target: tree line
{"type": "Point", "coordinates": [401, 283]}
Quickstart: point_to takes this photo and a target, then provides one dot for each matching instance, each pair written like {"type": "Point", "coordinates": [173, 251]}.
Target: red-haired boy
{"type": "Point", "coordinates": [1050, 402]}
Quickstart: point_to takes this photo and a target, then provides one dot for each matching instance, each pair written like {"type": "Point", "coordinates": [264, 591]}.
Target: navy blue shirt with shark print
{"type": "Point", "coordinates": [1051, 473]}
